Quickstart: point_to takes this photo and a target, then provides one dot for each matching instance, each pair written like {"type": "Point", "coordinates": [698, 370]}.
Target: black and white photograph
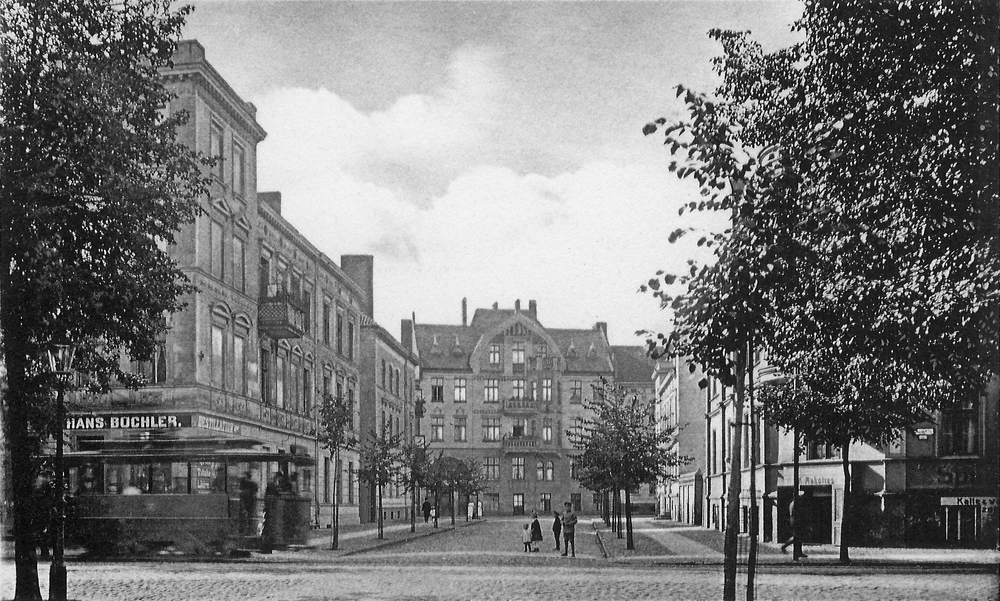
{"type": "Point", "coordinates": [499, 300]}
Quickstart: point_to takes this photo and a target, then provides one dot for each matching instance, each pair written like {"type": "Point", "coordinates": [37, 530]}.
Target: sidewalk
{"type": "Point", "coordinates": [359, 538]}
{"type": "Point", "coordinates": [663, 542]}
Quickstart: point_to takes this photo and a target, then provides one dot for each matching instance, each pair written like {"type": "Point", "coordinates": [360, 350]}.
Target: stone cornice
{"type": "Point", "coordinates": [211, 82]}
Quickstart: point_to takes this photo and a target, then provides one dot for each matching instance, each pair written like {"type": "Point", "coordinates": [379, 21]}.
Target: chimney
{"type": "Point", "coordinates": [361, 269]}
{"type": "Point", "coordinates": [533, 309]}
{"type": "Point", "coordinates": [496, 306]}
{"type": "Point", "coordinates": [271, 199]}
{"type": "Point", "coordinates": [603, 327]}
{"type": "Point", "coordinates": [406, 334]}
{"type": "Point", "coordinates": [517, 305]}
{"type": "Point", "coordinates": [465, 311]}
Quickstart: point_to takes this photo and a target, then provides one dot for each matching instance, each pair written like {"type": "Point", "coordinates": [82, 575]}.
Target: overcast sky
{"type": "Point", "coordinates": [489, 150]}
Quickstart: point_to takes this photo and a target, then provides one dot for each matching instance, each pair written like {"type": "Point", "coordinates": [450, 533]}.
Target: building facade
{"type": "Point", "coordinates": [936, 485]}
{"type": "Point", "coordinates": [680, 405]}
{"type": "Point", "coordinates": [234, 386]}
{"type": "Point", "coordinates": [388, 385]}
{"type": "Point", "coordinates": [503, 389]}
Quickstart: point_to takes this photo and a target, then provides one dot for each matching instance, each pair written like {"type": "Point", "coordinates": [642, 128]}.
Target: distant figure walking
{"type": "Point", "coordinates": [536, 532]}
{"type": "Point", "coordinates": [556, 528]}
{"type": "Point", "coordinates": [569, 529]}
{"type": "Point", "coordinates": [526, 538]}
{"type": "Point", "coordinates": [426, 507]}
{"type": "Point", "coordinates": [791, 524]}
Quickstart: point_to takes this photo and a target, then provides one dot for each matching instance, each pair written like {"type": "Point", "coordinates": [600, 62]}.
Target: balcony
{"type": "Point", "coordinates": [519, 405]}
{"type": "Point", "coordinates": [543, 363]}
{"type": "Point", "coordinates": [769, 374]}
{"type": "Point", "coordinates": [280, 316]}
{"type": "Point", "coordinates": [519, 442]}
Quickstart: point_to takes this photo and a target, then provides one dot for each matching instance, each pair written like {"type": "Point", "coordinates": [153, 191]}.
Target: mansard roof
{"type": "Point", "coordinates": [451, 347]}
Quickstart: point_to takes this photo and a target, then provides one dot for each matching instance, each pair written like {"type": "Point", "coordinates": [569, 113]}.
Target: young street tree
{"type": "Point", "coordinates": [380, 463]}
{"type": "Point", "coordinates": [93, 186]}
{"type": "Point", "coordinates": [471, 481]}
{"type": "Point", "coordinates": [415, 459]}
{"type": "Point", "coordinates": [622, 446]}
{"type": "Point", "coordinates": [336, 418]}
{"type": "Point", "coordinates": [869, 237]}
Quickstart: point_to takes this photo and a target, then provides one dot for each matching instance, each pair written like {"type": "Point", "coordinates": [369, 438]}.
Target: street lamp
{"type": "Point", "coordinates": [61, 366]}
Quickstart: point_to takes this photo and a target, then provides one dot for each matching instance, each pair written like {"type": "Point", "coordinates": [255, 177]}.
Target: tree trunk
{"type": "Point", "coordinates": [730, 542]}
{"type": "Point", "coordinates": [629, 541]}
{"type": "Point", "coordinates": [22, 447]}
{"type": "Point", "coordinates": [379, 488]}
{"type": "Point", "coordinates": [335, 543]}
{"type": "Point", "coordinates": [752, 553]}
{"type": "Point", "coordinates": [413, 507]}
{"type": "Point", "coordinates": [606, 509]}
{"type": "Point", "coordinates": [845, 523]}
{"type": "Point", "coordinates": [451, 497]}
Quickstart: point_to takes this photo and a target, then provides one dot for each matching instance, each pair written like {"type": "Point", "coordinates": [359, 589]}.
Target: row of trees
{"type": "Point", "coordinates": [387, 459]}
{"type": "Point", "coordinates": [858, 170]}
{"type": "Point", "coordinates": [622, 447]}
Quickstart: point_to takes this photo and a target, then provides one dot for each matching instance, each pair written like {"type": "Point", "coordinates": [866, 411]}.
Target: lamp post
{"type": "Point", "coordinates": [61, 366]}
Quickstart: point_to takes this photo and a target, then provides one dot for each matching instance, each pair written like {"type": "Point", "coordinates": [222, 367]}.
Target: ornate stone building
{"type": "Point", "coordinates": [235, 384]}
{"type": "Point", "coordinates": [503, 389]}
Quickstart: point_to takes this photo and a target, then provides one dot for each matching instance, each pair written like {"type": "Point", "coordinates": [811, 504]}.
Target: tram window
{"type": "Point", "coordinates": [209, 477]}
{"type": "Point", "coordinates": [169, 478]}
{"type": "Point", "coordinates": [127, 479]}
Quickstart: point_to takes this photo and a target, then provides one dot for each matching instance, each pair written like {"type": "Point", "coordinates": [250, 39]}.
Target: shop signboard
{"type": "Point", "coordinates": [128, 421]}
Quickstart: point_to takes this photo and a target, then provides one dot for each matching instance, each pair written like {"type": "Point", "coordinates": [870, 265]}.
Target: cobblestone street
{"type": "Point", "coordinates": [485, 561]}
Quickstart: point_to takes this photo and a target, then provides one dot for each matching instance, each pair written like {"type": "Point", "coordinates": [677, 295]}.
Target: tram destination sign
{"type": "Point", "coordinates": [128, 421]}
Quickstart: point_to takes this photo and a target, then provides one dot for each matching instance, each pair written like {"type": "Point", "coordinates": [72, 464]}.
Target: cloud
{"type": "Point", "coordinates": [423, 186]}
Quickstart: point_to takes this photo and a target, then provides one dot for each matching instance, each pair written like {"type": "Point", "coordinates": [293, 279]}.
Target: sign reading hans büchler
{"type": "Point", "coordinates": [128, 421]}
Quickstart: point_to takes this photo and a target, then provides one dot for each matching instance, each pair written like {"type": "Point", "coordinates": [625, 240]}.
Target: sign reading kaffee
{"type": "Point", "coordinates": [132, 421]}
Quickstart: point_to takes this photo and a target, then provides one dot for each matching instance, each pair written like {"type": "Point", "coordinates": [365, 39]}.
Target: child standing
{"type": "Point", "coordinates": [526, 539]}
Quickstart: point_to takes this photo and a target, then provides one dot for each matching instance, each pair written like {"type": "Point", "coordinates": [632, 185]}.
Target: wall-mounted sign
{"type": "Point", "coordinates": [924, 433]}
{"type": "Point", "coordinates": [984, 502]}
{"type": "Point", "coordinates": [218, 425]}
{"type": "Point", "coordinates": [815, 481]}
{"type": "Point", "coordinates": [129, 421]}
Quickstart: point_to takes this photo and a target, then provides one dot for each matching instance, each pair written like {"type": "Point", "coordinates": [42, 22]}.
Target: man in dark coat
{"type": "Point", "coordinates": [556, 528]}
{"type": "Point", "coordinates": [426, 507]}
{"type": "Point", "coordinates": [248, 498]}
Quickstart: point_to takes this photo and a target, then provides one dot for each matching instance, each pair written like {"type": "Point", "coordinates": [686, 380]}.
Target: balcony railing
{"type": "Point", "coordinates": [280, 316]}
{"type": "Point", "coordinates": [537, 363]}
{"type": "Point", "coordinates": [519, 442]}
{"type": "Point", "coordinates": [520, 405]}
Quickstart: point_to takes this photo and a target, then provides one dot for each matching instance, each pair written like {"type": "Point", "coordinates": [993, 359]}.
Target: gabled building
{"type": "Point", "coordinates": [503, 389]}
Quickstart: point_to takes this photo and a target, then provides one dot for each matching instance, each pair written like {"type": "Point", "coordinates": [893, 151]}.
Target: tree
{"type": "Point", "coordinates": [380, 464]}
{"type": "Point", "coordinates": [470, 480]}
{"type": "Point", "coordinates": [414, 457]}
{"type": "Point", "coordinates": [872, 227]}
{"type": "Point", "coordinates": [93, 186]}
{"type": "Point", "coordinates": [622, 447]}
{"type": "Point", "coordinates": [337, 416]}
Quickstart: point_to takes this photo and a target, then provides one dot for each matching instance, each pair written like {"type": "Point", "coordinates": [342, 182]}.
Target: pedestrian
{"type": "Point", "coordinates": [536, 532]}
{"type": "Point", "coordinates": [526, 539]}
{"type": "Point", "coordinates": [42, 511]}
{"type": "Point", "coordinates": [248, 499]}
{"type": "Point", "coordinates": [791, 524]}
{"type": "Point", "coordinates": [556, 528]}
{"type": "Point", "coordinates": [426, 507]}
{"type": "Point", "coordinates": [270, 529]}
{"type": "Point", "coordinates": [569, 529]}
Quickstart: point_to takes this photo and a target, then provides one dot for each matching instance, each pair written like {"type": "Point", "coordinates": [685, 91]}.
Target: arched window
{"type": "Point", "coordinates": [549, 469]}
{"type": "Point", "coordinates": [540, 471]}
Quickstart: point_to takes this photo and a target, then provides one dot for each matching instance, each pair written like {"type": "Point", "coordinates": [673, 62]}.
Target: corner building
{"type": "Point", "coordinates": [503, 389]}
{"type": "Point", "coordinates": [235, 384]}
